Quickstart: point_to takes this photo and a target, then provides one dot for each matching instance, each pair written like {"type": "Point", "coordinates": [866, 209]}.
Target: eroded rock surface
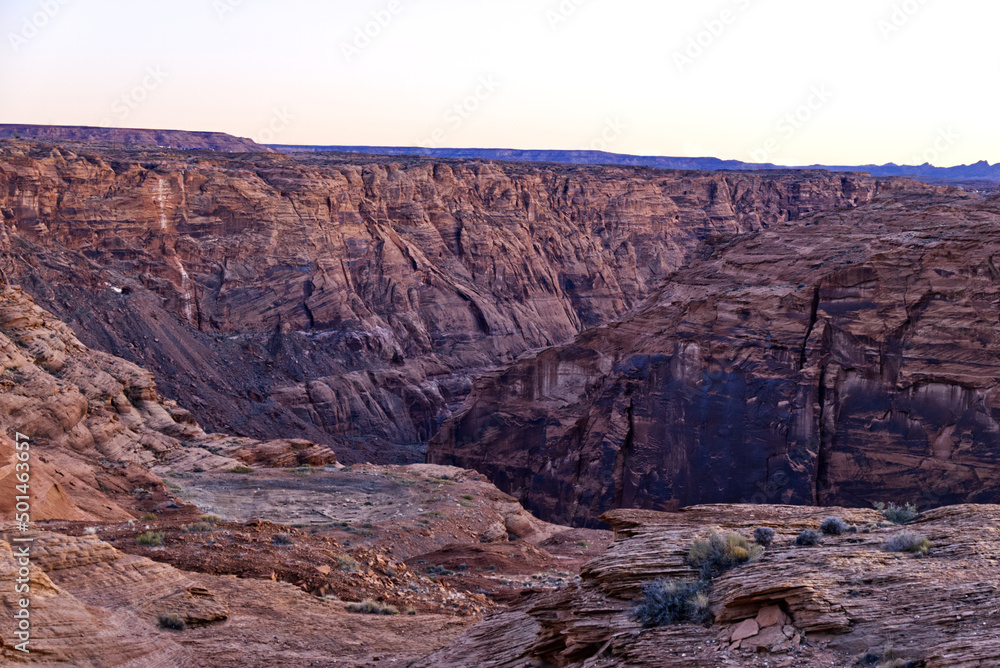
{"type": "Point", "coordinates": [846, 359]}
{"type": "Point", "coordinates": [352, 300]}
{"type": "Point", "coordinates": [844, 602]}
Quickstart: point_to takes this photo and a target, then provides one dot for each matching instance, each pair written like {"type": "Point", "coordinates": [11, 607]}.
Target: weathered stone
{"type": "Point", "coordinates": [745, 629]}
{"type": "Point", "coordinates": [771, 615]}
{"type": "Point", "coordinates": [844, 359]}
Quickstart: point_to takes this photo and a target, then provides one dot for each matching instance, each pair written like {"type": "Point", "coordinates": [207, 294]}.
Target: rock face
{"type": "Point", "coordinates": [845, 359]}
{"type": "Point", "coordinates": [92, 605]}
{"type": "Point", "coordinates": [846, 602]}
{"type": "Point", "coordinates": [351, 301]}
{"type": "Point", "coordinates": [182, 139]}
{"type": "Point", "coordinates": [99, 426]}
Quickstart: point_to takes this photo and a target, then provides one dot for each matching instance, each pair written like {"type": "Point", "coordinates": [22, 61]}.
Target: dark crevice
{"type": "Point", "coordinates": [621, 461]}
{"type": "Point", "coordinates": [813, 317]}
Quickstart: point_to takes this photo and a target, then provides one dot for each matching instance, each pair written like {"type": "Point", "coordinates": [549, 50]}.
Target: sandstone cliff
{"type": "Point", "coordinates": [352, 300]}
{"type": "Point", "coordinates": [101, 430]}
{"type": "Point", "coordinates": [844, 359]}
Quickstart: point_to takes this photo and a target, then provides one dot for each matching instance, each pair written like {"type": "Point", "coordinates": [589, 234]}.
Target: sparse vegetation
{"type": "Point", "coordinates": [149, 517]}
{"type": "Point", "coordinates": [715, 554]}
{"type": "Point", "coordinates": [808, 538]}
{"type": "Point", "coordinates": [211, 519]}
{"type": "Point", "coordinates": [582, 543]}
{"type": "Point", "coordinates": [764, 536]}
{"type": "Point", "coordinates": [908, 541]}
{"type": "Point", "coordinates": [282, 539]}
{"type": "Point", "coordinates": [151, 538]}
{"type": "Point", "coordinates": [246, 470]}
{"type": "Point", "coordinates": [673, 602]}
{"type": "Point", "coordinates": [370, 607]}
{"type": "Point", "coordinates": [172, 621]}
{"type": "Point", "coordinates": [834, 526]}
{"type": "Point", "coordinates": [199, 527]}
{"type": "Point", "coordinates": [347, 563]}
{"type": "Point", "coordinates": [898, 514]}
{"type": "Point", "coordinates": [468, 497]}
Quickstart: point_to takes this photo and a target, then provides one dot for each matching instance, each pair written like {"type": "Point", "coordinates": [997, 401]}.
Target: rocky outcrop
{"type": "Point", "coordinates": [93, 605]}
{"type": "Point", "coordinates": [845, 359]}
{"type": "Point", "coordinates": [99, 429]}
{"type": "Point", "coordinates": [180, 139]}
{"type": "Point", "coordinates": [351, 301]}
{"type": "Point", "coordinates": [846, 602]}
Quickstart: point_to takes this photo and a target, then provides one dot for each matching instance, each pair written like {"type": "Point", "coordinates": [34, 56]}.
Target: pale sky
{"type": "Point", "coordinates": [888, 80]}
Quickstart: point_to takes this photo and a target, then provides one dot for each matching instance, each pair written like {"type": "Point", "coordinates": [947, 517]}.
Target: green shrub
{"type": "Point", "coordinates": [151, 538]}
{"type": "Point", "coordinates": [199, 527]}
{"type": "Point", "coordinates": [808, 538]}
{"type": "Point", "coordinates": [370, 607]}
{"type": "Point", "coordinates": [241, 469]}
{"type": "Point", "coordinates": [834, 526]}
{"type": "Point", "coordinates": [212, 519]}
{"type": "Point", "coordinates": [908, 541]}
{"type": "Point", "coordinates": [673, 602]}
{"type": "Point", "coordinates": [716, 554]}
{"type": "Point", "coordinates": [898, 514]}
{"type": "Point", "coordinates": [149, 517]}
{"type": "Point", "coordinates": [172, 621]}
{"type": "Point", "coordinates": [764, 536]}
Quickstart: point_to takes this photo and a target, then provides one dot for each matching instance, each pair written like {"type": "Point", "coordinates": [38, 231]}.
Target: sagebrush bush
{"type": "Point", "coordinates": [764, 536]}
{"type": "Point", "coordinates": [370, 607]}
{"type": "Point", "coordinates": [908, 541]}
{"type": "Point", "coordinates": [151, 538]}
{"type": "Point", "coordinates": [808, 538]}
{"type": "Point", "coordinates": [715, 554]}
{"type": "Point", "coordinates": [898, 514]}
{"type": "Point", "coordinates": [282, 539]}
{"type": "Point", "coordinates": [172, 621]}
{"type": "Point", "coordinates": [347, 563]}
{"type": "Point", "coordinates": [241, 469]}
{"type": "Point", "coordinates": [834, 526]}
{"type": "Point", "coordinates": [673, 602]}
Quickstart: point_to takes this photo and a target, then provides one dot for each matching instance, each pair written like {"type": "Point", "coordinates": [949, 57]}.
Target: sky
{"type": "Point", "coordinates": [792, 82]}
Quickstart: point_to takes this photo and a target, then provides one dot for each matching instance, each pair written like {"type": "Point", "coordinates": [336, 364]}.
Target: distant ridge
{"type": "Point", "coordinates": [179, 139]}
{"type": "Point", "coordinates": [980, 172]}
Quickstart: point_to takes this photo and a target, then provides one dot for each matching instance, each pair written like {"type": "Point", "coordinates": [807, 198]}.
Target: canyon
{"type": "Point", "coordinates": [229, 367]}
{"type": "Point", "coordinates": [352, 300]}
{"type": "Point", "coordinates": [844, 359]}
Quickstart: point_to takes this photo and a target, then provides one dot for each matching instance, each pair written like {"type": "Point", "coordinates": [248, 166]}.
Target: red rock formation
{"type": "Point", "coordinates": [846, 602]}
{"type": "Point", "coordinates": [351, 301]}
{"type": "Point", "coordinates": [845, 359]}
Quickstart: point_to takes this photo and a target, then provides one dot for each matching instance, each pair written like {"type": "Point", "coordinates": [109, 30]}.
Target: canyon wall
{"type": "Point", "coordinates": [352, 300]}
{"type": "Point", "coordinates": [845, 359]}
